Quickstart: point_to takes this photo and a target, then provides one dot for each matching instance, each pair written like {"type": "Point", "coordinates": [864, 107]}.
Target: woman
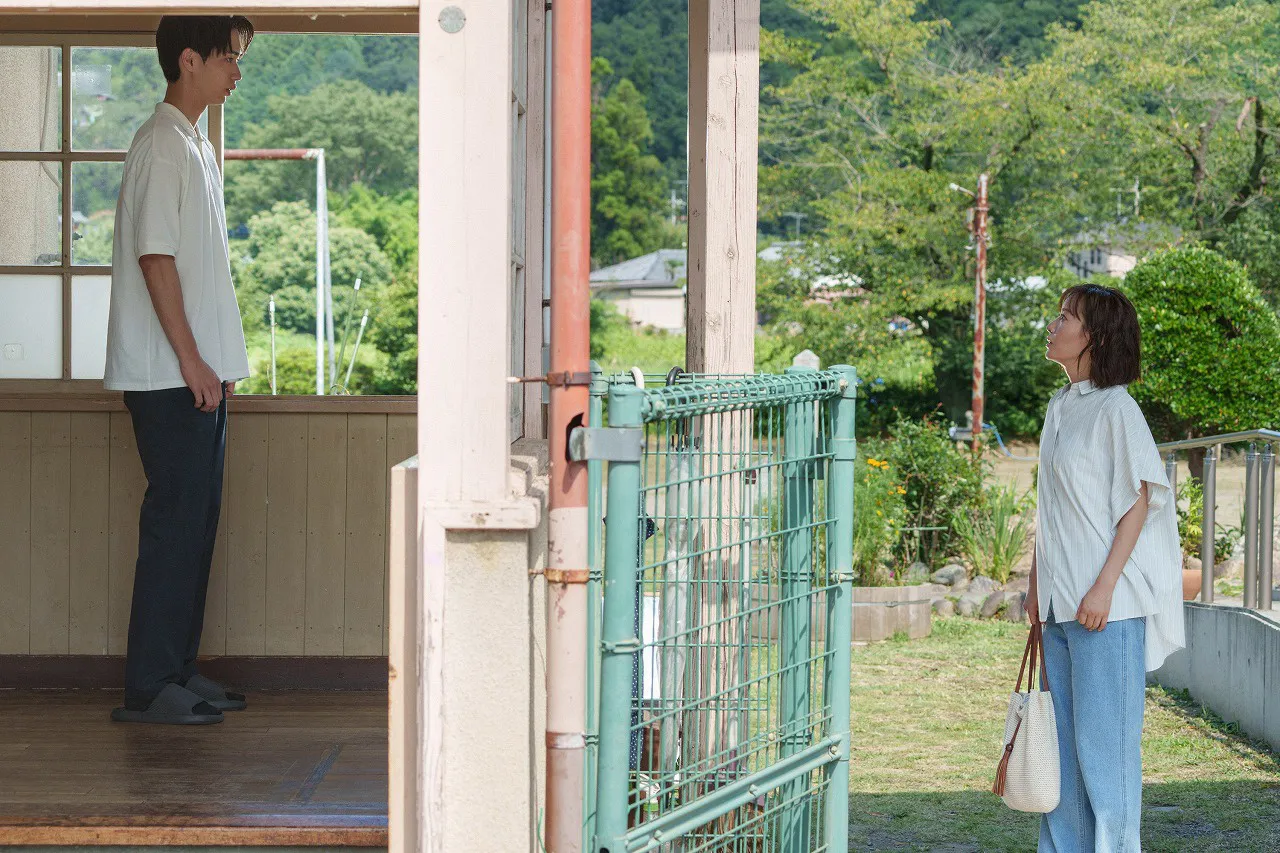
{"type": "Point", "coordinates": [1105, 574]}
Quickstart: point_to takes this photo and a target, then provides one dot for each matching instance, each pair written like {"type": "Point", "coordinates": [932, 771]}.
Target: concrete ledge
{"type": "Point", "coordinates": [1232, 665]}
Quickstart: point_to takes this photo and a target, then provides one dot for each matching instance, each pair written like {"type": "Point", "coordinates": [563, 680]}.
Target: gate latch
{"type": "Point", "coordinates": [611, 444]}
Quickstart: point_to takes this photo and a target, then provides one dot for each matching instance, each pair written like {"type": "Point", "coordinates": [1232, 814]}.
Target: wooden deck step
{"type": "Point", "coordinates": [297, 769]}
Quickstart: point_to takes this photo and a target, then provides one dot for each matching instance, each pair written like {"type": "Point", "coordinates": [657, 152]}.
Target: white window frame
{"type": "Point", "coordinates": [66, 157]}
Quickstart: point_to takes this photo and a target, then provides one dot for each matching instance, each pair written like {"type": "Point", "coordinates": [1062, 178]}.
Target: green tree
{"type": "Point", "coordinates": [626, 180]}
{"type": "Point", "coordinates": [1185, 94]}
{"type": "Point", "coordinates": [369, 138]}
{"type": "Point", "coordinates": [391, 220]}
{"type": "Point", "coordinates": [280, 253]}
{"type": "Point", "coordinates": [1211, 346]}
{"type": "Point", "coordinates": [295, 64]}
{"type": "Point", "coordinates": [396, 334]}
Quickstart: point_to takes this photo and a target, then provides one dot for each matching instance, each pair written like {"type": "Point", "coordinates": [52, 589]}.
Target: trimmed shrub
{"type": "Point", "coordinates": [1211, 345]}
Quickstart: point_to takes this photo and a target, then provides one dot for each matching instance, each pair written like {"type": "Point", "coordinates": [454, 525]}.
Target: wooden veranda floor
{"type": "Point", "coordinates": [298, 768]}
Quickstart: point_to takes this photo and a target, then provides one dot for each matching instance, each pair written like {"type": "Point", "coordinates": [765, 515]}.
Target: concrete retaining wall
{"type": "Point", "coordinates": [1232, 665]}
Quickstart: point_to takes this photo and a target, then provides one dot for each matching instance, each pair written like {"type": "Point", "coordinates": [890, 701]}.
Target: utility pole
{"type": "Point", "coordinates": [796, 217]}
{"type": "Point", "coordinates": [979, 308]}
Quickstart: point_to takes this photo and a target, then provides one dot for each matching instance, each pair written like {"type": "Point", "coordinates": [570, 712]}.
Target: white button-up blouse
{"type": "Point", "coordinates": [1095, 452]}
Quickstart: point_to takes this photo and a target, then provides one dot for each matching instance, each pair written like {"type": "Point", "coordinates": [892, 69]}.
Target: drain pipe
{"type": "Point", "coordinates": [569, 381]}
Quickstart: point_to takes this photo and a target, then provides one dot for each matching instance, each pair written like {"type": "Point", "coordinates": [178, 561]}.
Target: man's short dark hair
{"type": "Point", "coordinates": [205, 34]}
{"type": "Point", "coordinates": [1115, 337]}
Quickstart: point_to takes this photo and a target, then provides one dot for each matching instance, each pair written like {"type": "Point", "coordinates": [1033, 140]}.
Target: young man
{"type": "Point", "coordinates": [175, 346]}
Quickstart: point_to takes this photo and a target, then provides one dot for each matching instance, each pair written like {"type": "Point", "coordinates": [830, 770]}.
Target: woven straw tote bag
{"type": "Point", "coordinates": [1029, 777]}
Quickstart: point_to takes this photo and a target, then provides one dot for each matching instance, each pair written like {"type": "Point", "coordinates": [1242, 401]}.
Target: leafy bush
{"type": "Point", "coordinates": [995, 535]}
{"type": "Point", "coordinates": [879, 511]}
{"type": "Point", "coordinates": [1191, 524]}
{"type": "Point", "coordinates": [942, 483]}
{"type": "Point", "coordinates": [296, 372]}
{"type": "Point", "coordinates": [1211, 345]}
{"type": "Point", "coordinates": [295, 309]}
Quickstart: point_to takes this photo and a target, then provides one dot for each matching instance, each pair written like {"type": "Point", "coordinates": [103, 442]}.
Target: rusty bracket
{"type": "Point", "coordinates": [567, 575]}
{"type": "Point", "coordinates": [563, 379]}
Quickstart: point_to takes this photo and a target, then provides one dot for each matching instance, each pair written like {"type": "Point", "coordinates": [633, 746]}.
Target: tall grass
{"type": "Point", "coordinates": [994, 536]}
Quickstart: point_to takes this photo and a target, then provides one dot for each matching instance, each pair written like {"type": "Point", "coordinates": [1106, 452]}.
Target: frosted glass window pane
{"type": "Point", "coordinates": [94, 190]}
{"type": "Point", "coordinates": [31, 92]}
{"type": "Point", "coordinates": [30, 210]}
{"type": "Point", "coordinates": [90, 303]}
{"type": "Point", "coordinates": [113, 91]}
{"type": "Point", "coordinates": [31, 327]}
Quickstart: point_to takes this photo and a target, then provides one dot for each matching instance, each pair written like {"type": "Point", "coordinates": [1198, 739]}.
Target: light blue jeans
{"type": "Point", "coordinates": [1098, 681]}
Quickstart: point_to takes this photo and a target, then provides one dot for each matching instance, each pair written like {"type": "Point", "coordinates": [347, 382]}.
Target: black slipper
{"type": "Point", "coordinates": [176, 706]}
{"type": "Point", "coordinates": [215, 694]}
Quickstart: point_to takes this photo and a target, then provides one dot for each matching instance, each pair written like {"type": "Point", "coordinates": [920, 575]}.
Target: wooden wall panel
{"type": "Point", "coordinates": [364, 620]}
{"type": "Point", "coordinates": [287, 535]}
{"type": "Point", "coordinates": [89, 544]}
{"type": "Point", "coordinates": [50, 532]}
{"type": "Point", "coordinates": [128, 485]}
{"type": "Point", "coordinates": [326, 533]}
{"type": "Point", "coordinates": [300, 565]}
{"type": "Point", "coordinates": [213, 638]}
{"type": "Point", "coordinates": [15, 533]}
{"type": "Point", "coordinates": [402, 443]}
{"type": "Point", "coordinates": [246, 522]}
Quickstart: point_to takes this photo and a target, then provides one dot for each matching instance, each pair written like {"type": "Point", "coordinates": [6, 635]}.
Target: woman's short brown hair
{"type": "Point", "coordinates": [1115, 338]}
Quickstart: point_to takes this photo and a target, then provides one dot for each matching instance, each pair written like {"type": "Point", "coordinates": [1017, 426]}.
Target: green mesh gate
{"type": "Point", "coordinates": [721, 616]}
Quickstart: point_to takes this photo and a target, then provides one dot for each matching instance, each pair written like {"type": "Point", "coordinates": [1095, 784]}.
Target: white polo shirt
{"type": "Point", "coordinates": [171, 204]}
{"type": "Point", "coordinates": [1096, 450]}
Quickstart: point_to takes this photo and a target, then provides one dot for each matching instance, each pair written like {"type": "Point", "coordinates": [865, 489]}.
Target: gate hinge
{"type": "Point", "coordinates": [630, 645]}
{"type": "Point", "coordinates": [611, 444]}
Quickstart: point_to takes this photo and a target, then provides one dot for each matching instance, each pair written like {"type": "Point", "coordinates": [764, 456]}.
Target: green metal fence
{"type": "Point", "coordinates": [721, 615]}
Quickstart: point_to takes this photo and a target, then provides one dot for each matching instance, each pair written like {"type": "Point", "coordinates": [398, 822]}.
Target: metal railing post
{"type": "Point", "coordinates": [1266, 519]}
{"type": "Point", "coordinates": [795, 576]}
{"type": "Point", "coordinates": [1210, 493]}
{"type": "Point", "coordinates": [840, 509]}
{"type": "Point", "coordinates": [619, 642]}
{"type": "Point", "coordinates": [595, 614]}
{"type": "Point", "coordinates": [1171, 473]}
{"type": "Point", "coordinates": [1251, 526]}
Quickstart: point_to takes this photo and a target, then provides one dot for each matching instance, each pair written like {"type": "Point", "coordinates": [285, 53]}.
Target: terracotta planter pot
{"type": "Point", "coordinates": [1192, 580]}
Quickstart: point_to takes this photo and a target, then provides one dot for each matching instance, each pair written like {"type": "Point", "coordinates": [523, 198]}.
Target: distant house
{"type": "Point", "coordinates": [1115, 249]}
{"type": "Point", "coordinates": [649, 290]}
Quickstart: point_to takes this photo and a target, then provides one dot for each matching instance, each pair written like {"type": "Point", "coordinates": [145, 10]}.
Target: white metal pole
{"type": "Point", "coordinates": [322, 244]}
{"type": "Point", "coordinates": [322, 209]}
{"type": "Point", "coordinates": [271, 307]}
{"type": "Point", "coordinates": [346, 383]}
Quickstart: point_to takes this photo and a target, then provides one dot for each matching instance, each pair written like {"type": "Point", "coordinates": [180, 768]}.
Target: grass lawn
{"type": "Point", "coordinates": [927, 720]}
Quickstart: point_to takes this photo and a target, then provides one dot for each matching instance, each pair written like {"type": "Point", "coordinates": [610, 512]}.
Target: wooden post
{"type": "Point", "coordinates": [724, 99]}
{"type": "Point", "coordinates": [724, 96]}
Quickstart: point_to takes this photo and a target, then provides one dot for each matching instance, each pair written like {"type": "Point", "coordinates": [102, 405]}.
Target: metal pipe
{"type": "Point", "coordinates": [322, 240]}
{"type": "Point", "coordinates": [795, 575]}
{"type": "Point", "coordinates": [346, 382]}
{"type": "Point", "coordinates": [1171, 473]}
{"type": "Point", "coordinates": [1266, 526]}
{"type": "Point", "coordinates": [1224, 438]}
{"type": "Point", "coordinates": [839, 609]}
{"type": "Point", "coordinates": [979, 310]}
{"type": "Point", "coordinates": [567, 570]}
{"type": "Point", "coordinates": [324, 287]}
{"type": "Point", "coordinates": [621, 579]}
{"type": "Point", "coordinates": [1251, 526]}
{"type": "Point", "coordinates": [271, 309]}
{"type": "Point", "coordinates": [1209, 480]}
{"type": "Point", "coordinates": [595, 612]}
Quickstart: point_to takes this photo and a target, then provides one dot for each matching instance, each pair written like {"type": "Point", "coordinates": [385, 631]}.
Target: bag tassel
{"type": "Point", "coordinates": [1002, 768]}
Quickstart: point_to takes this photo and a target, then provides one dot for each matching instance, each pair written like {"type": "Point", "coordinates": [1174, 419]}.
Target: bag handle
{"type": "Point", "coordinates": [1034, 649]}
{"type": "Point", "coordinates": [1035, 646]}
